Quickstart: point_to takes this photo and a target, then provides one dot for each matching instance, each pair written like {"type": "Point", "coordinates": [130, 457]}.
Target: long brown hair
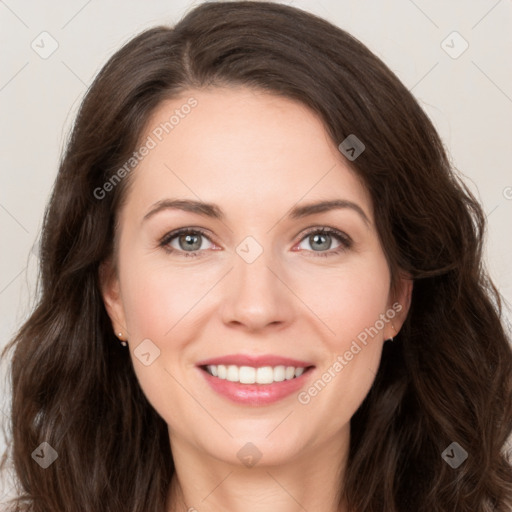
{"type": "Point", "coordinates": [448, 376]}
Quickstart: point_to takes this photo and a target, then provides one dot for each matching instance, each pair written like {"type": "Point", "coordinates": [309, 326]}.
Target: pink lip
{"type": "Point", "coordinates": [255, 394]}
{"type": "Point", "coordinates": [254, 361]}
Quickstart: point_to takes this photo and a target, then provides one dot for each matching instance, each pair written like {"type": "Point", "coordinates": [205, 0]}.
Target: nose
{"type": "Point", "coordinates": [256, 296]}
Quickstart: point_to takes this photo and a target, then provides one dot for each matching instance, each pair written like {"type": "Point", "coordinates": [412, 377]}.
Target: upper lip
{"type": "Point", "coordinates": [254, 361]}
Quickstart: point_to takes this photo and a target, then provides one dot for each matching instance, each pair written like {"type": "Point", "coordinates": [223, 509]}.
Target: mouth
{"type": "Point", "coordinates": [255, 380]}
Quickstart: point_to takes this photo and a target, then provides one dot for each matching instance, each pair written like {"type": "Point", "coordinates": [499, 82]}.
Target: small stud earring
{"type": "Point", "coordinates": [393, 327]}
{"type": "Point", "coordinates": [123, 342]}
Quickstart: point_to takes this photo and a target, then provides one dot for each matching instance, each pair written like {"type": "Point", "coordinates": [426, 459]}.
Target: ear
{"type": "Point", "coordinates": [398, 306]}
{"type": "Point", "coordinates": [110, 291]}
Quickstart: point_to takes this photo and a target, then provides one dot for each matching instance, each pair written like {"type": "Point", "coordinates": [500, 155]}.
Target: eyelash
{"type": "Point", "coordinates": [345, 241]}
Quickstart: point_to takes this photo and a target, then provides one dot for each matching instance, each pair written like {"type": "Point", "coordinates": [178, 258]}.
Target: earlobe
{"type": "Point", "coordinates": [109, 288]}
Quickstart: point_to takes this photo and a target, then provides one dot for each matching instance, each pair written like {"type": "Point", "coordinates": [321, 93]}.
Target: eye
{"type": "Point", "coordinates": [187, 241]}
{"type": "Point", "coordinates": [320, 240]}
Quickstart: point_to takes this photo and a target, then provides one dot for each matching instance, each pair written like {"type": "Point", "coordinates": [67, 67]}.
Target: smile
{"type": "Point", "coordinates": [255, 380]}
{"type": "Point", "coordinates": [252, 375]}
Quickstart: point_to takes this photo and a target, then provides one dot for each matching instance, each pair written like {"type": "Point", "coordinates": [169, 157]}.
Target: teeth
{"type": "Point", "coordinates": [222, 371]}
{"type": "Point", "coordinates": [250, 375]}
{"type": "Point", "coordinates": [232, 373]}
{"type": "Point", "coordinates": [246, 374]}
{"type": "Point", "coordinates": [289, 372]}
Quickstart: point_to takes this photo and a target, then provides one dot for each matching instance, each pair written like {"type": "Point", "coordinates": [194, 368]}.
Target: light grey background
{"type": "Point", "coordinates": [468, 97]}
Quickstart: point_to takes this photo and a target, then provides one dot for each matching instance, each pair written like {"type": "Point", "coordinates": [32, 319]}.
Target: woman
{"type": "Point", "coordinates": [262, 289]}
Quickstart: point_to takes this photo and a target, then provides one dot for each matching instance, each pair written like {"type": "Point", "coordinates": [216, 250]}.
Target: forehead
{"type": "Point", "coordinates": [254, 149]}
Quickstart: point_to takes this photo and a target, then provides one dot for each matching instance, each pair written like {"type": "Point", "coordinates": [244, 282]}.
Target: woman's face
{"type": "Point", "coordinates": [255, 290]}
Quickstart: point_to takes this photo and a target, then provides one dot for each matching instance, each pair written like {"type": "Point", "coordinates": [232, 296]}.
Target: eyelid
{"type": "Point", "coordinates": [325, 229]}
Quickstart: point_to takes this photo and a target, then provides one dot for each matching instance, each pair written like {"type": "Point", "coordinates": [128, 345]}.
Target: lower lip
{"type": "Point", "coordinates": [256, 394]}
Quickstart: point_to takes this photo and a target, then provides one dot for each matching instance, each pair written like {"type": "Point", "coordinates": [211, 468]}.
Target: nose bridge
{"type": "Point", "coordinates": [252, 268]}
{"type": "Point", "coordinates": [255, 296]}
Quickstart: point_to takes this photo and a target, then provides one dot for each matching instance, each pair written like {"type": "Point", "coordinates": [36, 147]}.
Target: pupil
{"type": "Point", "coordinates": [191, 242]}
{"type": "Point", "coordinates": [318, 238]}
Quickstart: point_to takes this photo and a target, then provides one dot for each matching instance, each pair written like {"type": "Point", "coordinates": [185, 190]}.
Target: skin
{"type": "Point", "coordinates": [256, 156]}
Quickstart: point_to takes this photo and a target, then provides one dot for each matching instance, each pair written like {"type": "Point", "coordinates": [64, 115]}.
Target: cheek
{"type": "Point", "coordinates": [352, 302]}
{"type": "Point", "coordinates": [349, 299]}
{"type": "Point", "coordinates": [156, 298]}
{"type": "Point", "coordinates": [158, 302]}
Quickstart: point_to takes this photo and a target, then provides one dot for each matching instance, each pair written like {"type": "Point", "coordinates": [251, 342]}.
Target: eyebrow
{"type": "Point", "coordinates": [213, 211]}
